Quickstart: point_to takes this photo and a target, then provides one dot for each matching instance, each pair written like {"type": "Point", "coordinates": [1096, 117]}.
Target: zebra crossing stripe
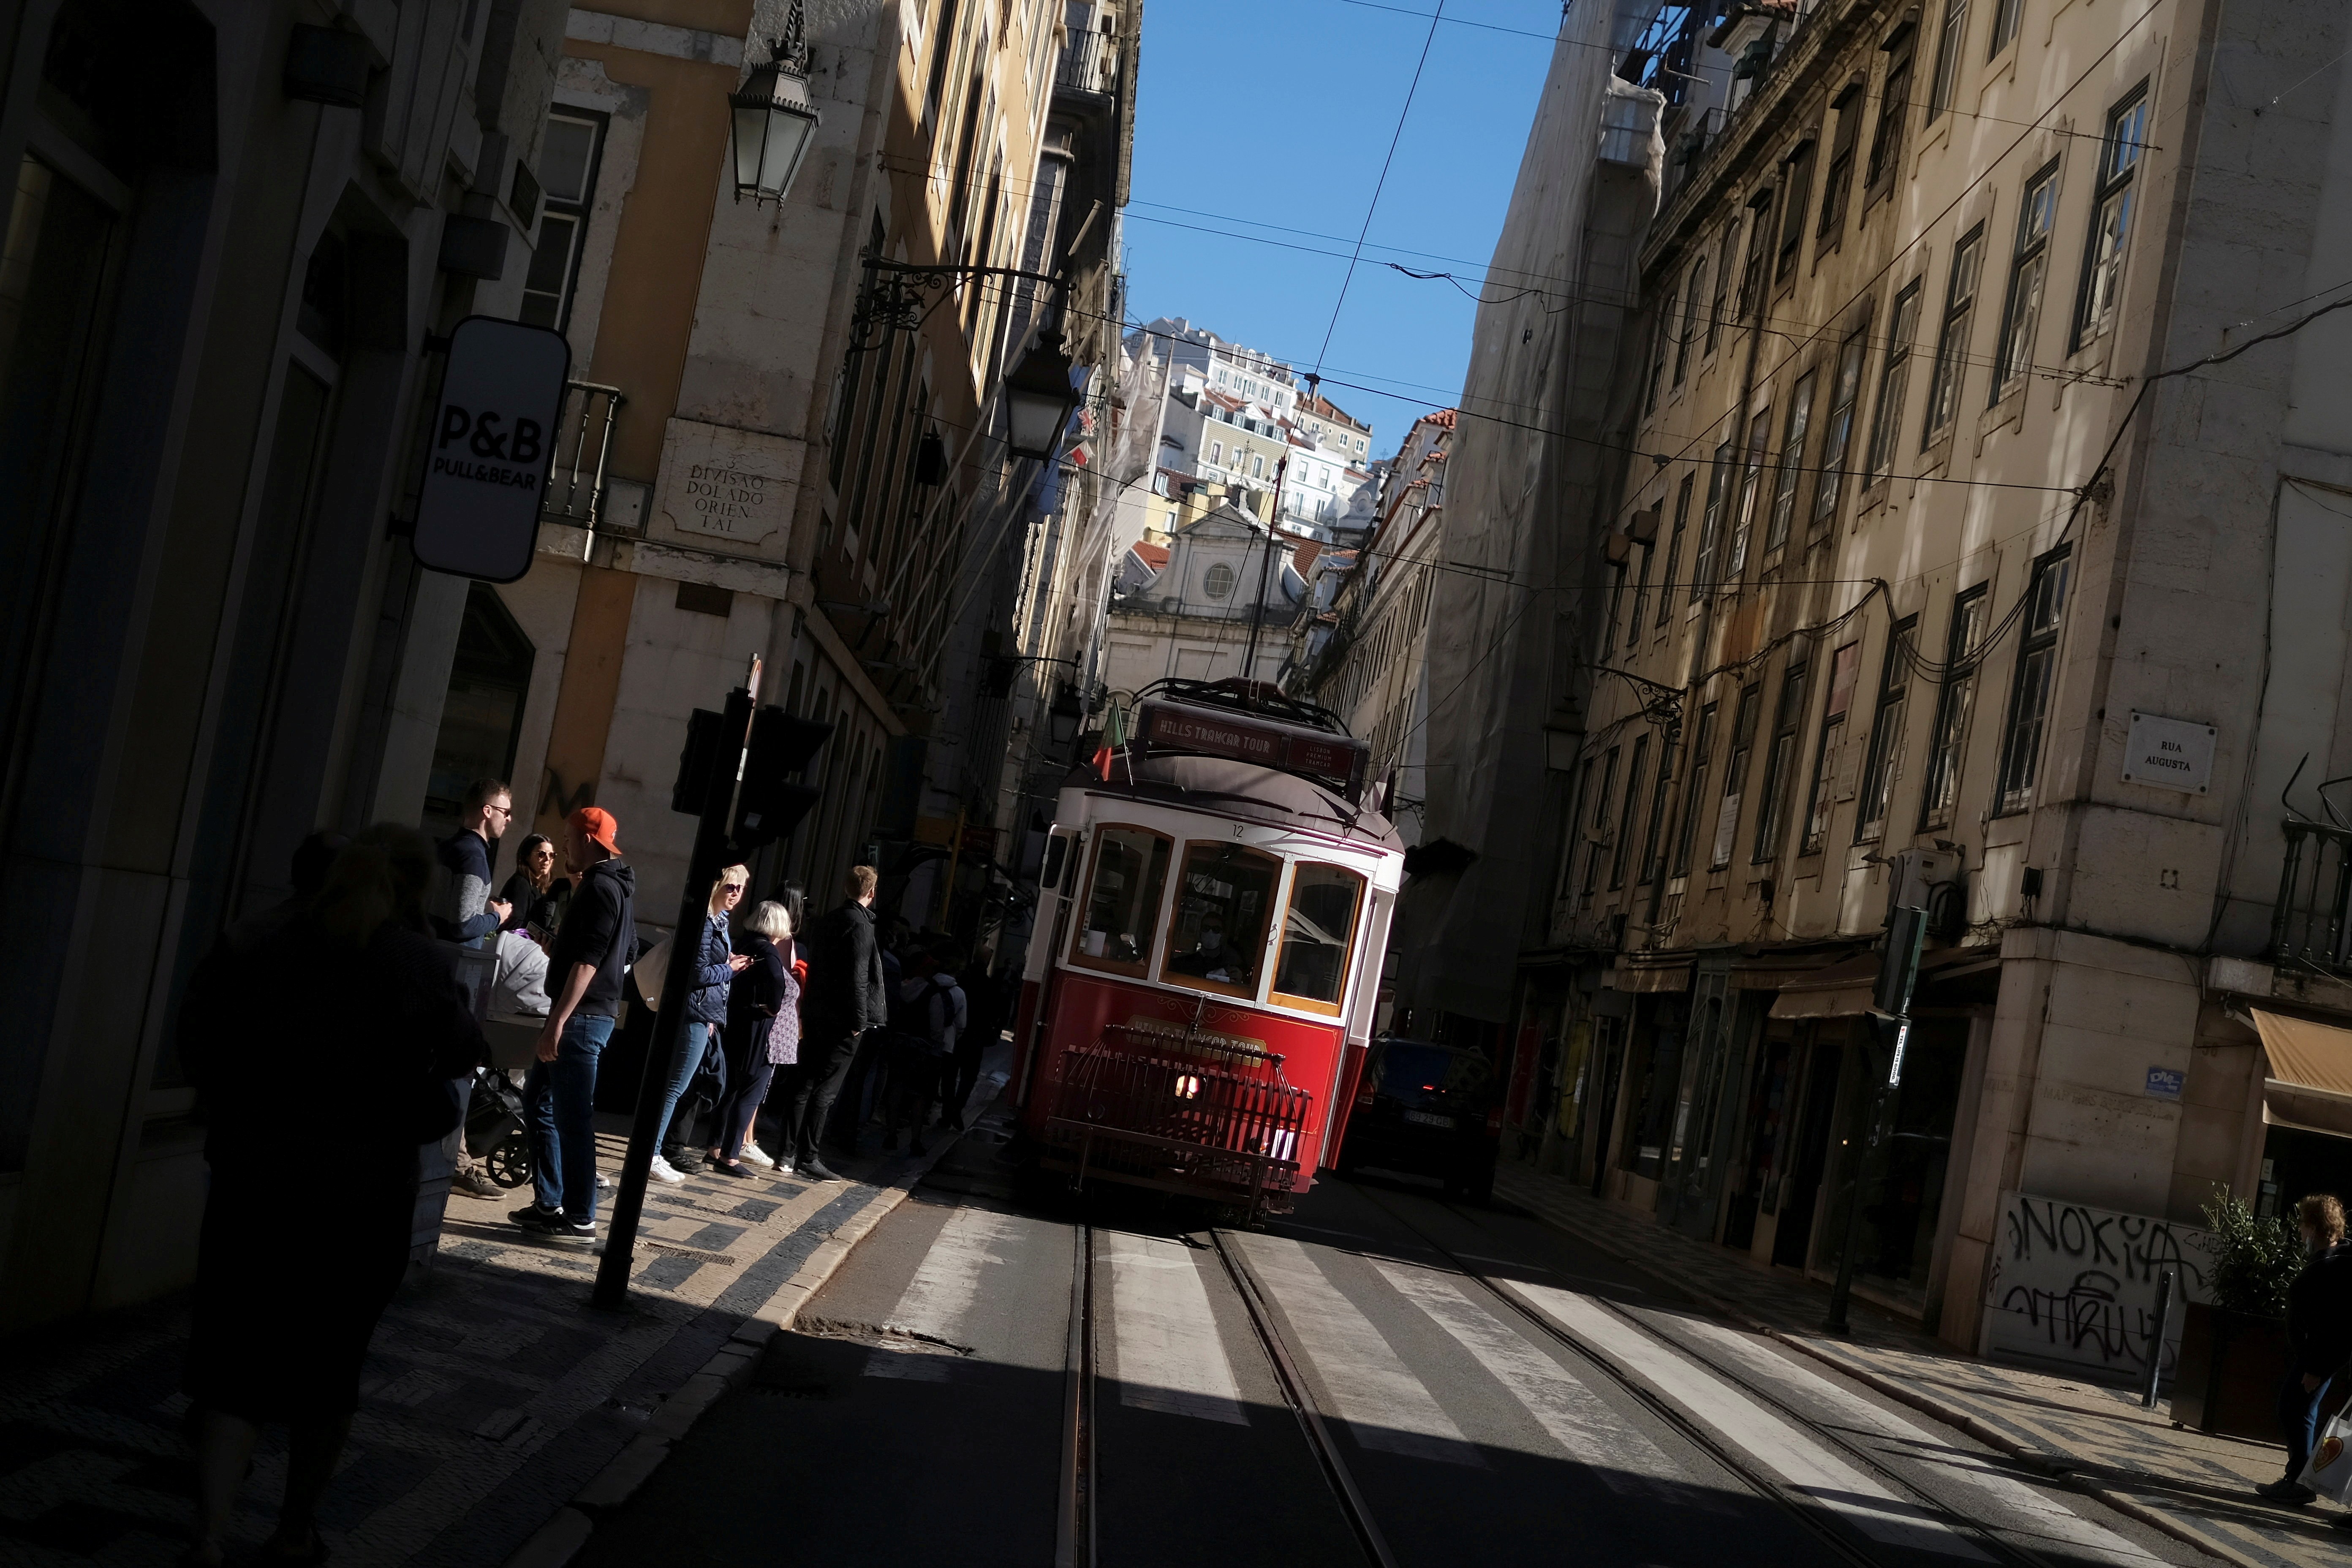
{"type": "Point", "coordinates": [1619, 1453]}
{"type": "Point", "coordinates": [1384, 1405]}
{"type": "Point", "coordinates": [1164, 1340]}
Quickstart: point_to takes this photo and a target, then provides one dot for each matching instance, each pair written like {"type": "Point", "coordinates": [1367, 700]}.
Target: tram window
{"type": "Point", "coordinates": [1123, 901]}
{"type": "Point", "coordinates": [1224, 900]}
{"type": "Point", "coordinates": [1055, 847]}
{"type": "Point", "coordinates": [1311, 970]}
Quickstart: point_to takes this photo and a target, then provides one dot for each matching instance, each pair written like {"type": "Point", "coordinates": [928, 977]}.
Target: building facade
{"type": "Point", "coordinates": [1221, 607]}
{"type": "Point", "coordinates": [808, 463]}
{"type": "Point", "coordinates": [227, 300]}
{"type": "Point", "coordinates": [1364, 653]}
{"type": "Point", "coordinates": [1968, 551]}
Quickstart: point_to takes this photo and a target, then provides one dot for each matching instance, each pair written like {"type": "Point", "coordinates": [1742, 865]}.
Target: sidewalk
{"type": "Point", "coordinates": [498, 1410]}
{"type": "Point", "coordinates": [2191, 1487]}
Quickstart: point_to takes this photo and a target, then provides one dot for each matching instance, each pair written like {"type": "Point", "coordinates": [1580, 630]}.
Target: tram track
{"type": "Point", "coordinates": [1075, 1536]}
{"type": "Point", "coordinates": [1838, 1537]}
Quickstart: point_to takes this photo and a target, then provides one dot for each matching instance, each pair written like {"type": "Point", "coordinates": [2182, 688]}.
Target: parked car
{"type": "Point", "coordinates": [1427, 1109]}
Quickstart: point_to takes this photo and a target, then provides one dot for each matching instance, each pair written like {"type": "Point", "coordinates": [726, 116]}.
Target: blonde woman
{"type": "Point", "coordinates": [764, 1033]}
{"type": "Point", "coordinates": [694, 1037]}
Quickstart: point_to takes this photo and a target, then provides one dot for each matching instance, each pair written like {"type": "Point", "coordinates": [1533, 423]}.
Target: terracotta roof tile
{"type": "Point", "coordinates": [1152, 555]}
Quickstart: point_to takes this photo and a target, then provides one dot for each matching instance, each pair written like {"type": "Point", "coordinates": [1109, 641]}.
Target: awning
{"type": "Point", "coordinates": [1773, 969]}
{"type": "Point", "coordinates": [2310, 1083]}
{"type": "Point", "coordinates": [1640, 972]}
{"type": "Point", "coordinates": [1840, 990]}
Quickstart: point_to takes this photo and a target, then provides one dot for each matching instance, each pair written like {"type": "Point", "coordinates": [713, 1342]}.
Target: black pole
{"type": "Point", "coordinates": [1264, 569]}
{"type": "Point", "coordinates": [693, 908]}
{"type": "Point", "coordinates": [1890, 1007]}
{"type": "Point", "coordinates": [2156, 1339]}
{"type": "Point", "coordinates": [1864, 1133]}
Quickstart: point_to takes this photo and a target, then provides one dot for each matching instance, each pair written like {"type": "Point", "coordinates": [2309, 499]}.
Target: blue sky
{"type": "Point", "coordinates": [1272, 116]}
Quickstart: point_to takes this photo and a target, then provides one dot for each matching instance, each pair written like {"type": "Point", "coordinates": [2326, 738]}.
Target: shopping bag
{"type": "Point", "coordinates": [2329, 1473]}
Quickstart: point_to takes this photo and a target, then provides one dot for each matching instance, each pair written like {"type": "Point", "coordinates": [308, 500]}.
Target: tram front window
{"type": "Point", "coordinates": [1123, 902]}
{"type": "Point", "coordinates": [1311, 970]}
{"type": "Point", "coordinates": [1223, 900]}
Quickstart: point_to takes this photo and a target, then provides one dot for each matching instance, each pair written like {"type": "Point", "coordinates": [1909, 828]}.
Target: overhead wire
{"type": "Point", "coordinates": [1378, 185]}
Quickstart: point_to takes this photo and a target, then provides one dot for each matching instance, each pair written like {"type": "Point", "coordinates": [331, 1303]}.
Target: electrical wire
{"type": "Point", "coordinates": [1377, 186]}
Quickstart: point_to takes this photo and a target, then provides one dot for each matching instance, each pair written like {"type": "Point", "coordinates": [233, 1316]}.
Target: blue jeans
{"type": "Point", "coordinates": [562, 1095]}
{"type": "Point", "coordinates": [2298, 1412]}
{"type": "Point", "coordinates": [685, 1058]}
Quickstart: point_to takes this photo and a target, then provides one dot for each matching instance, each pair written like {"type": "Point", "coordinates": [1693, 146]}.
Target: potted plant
{"type": "Point", "coordinates": [2233, 1353]}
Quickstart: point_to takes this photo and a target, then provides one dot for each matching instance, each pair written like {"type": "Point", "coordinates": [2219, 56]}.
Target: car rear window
{"type": "Point", "coordinates": [1417, 1073]}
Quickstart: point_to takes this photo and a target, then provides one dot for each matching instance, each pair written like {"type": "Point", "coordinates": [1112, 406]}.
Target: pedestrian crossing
{"type": "Point", "coordinates": [1168, 1355]}
{"type": "Point", "coordinates": [1361, 1328]}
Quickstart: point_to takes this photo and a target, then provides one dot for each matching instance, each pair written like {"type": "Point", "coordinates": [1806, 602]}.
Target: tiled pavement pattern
{"type": "Point", "coordinates": [2189, 1485]}
{"type": "Point", "coordinates": [493, 1394]}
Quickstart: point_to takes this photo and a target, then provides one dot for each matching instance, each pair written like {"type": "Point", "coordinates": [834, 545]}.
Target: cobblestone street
{"type": "Point", "coordinates": [494, 1393]}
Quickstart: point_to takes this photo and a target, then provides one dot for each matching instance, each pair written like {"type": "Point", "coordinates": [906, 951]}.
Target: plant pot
{"type": "Point", "coordinates": [2231, 1365]}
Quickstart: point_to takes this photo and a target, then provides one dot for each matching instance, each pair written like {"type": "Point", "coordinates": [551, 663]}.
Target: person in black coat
{"type": "Point", "coordinates": [762, 1035]}
{"type": "Point", "coordinates": [846, 996]}
{"type": "Point", "coordinates": [2319, 1338]}
{"type": "Point", "coordinates": [367, 1020]}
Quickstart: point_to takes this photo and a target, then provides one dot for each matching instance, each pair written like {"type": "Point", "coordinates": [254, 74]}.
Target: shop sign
{"type": "Point", "coordinates": [2166, 1083]}
{"type": "Point", "coordinates": [2170, 754]}
{"type": "Point", "coordinates": [491, 445]}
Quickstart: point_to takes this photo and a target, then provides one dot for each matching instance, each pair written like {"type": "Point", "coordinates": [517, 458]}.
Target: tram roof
{"type": "Point", "coordinates": [1237, 789]}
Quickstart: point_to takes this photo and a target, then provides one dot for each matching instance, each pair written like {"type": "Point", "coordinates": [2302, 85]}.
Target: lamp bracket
{"type": "Point", "coordinates": [898, 294]}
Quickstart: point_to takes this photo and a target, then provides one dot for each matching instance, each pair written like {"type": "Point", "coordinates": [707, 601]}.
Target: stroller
{"type": "Point", "coordinates": [495, 1129]}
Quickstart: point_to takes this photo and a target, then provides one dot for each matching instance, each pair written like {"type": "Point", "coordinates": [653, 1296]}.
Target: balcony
{"type": "Point", "coordinates": [1088, 66]}
{"type": "Point", "coordinates": [577, 484]}
{"type": "Point", "coordinates": [2311, 926]}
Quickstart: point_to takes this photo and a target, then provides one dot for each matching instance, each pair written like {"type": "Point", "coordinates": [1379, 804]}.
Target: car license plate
{"type": "Point", "coordinates": [1428, 1119]}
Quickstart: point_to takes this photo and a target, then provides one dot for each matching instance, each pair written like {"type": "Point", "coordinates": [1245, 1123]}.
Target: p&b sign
{"type": "Point", "coordinates": [491, 445]}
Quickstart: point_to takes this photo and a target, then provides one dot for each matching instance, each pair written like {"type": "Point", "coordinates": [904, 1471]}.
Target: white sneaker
{"type": "Point", "coordinates": [753, 1154]}
{"type": "Point", "coordinates": [664, 1172]}
{"type": "Point", "coordinates": [602, 1180]}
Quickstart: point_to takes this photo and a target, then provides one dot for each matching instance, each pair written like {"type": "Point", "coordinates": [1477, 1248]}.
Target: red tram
{"type": "Point", "coordinates": [1201, 982]}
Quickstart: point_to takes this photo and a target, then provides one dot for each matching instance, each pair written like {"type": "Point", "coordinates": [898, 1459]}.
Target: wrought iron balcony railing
{"type": "Point", "coordinates": [1090, 63]}
{"type": "Point", "coordinates": [2312, 923]}
{"type": "Point", "coordinates": [584, 449]}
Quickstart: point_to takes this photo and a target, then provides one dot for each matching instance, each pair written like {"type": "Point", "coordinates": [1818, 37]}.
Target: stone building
{"type": "Point", "coordinates": [808, 461]}
{"type": "Point", "coordinates": [227, 292]}
{"type": "Point", "coordinates": [1976, 546]}
{"type": "Point", "coordinates": [1221, 607]}
{"type": "Point", "coordinates": [1371, 667]}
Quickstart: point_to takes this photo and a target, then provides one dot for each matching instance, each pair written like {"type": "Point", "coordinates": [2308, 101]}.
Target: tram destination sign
{"type": "Point", "coordinates": [1337, 760]}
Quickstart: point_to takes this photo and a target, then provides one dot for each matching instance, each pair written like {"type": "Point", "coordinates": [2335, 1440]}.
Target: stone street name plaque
{"type": "Point", "coordinates": [2170, 754]}
{"type": "Point", "coordinates": [736, 484]}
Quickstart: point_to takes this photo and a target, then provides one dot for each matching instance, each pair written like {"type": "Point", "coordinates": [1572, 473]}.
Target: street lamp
{"type": "Point", "coordinates": [774, 121]}
{"type": "Point", "coordinates": [1038, 399]}
{"type": "Point", "coordinates": [1061, 718]}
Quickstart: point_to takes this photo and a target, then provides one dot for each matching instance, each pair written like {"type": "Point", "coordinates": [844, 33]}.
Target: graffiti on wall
{"type": "Point", "coordinates": [2073, 1284]}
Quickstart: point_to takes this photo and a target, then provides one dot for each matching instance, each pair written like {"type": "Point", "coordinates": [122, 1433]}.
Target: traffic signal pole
{"type": "Point", "coordinates": [718, 790]}
{"type": "Point", "coordinates": [1898, 974]}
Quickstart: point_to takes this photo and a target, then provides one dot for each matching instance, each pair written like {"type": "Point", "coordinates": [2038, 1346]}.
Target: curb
{"type": "Point", "coordinates": [2040, 1459]}
{"type": "Point", "coordinates": [562, 1538]}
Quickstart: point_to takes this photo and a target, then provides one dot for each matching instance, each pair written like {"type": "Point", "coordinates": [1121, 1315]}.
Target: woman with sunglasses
{"type": "Point", "coordinates": [694, 1039]}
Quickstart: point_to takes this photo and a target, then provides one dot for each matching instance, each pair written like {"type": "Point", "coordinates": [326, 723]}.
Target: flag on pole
{"type": "Point", "coordinates": [1113, 737]}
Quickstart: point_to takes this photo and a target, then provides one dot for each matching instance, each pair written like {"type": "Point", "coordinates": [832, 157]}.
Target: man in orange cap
{"type": "Point", "coordinates": [593, 948]}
